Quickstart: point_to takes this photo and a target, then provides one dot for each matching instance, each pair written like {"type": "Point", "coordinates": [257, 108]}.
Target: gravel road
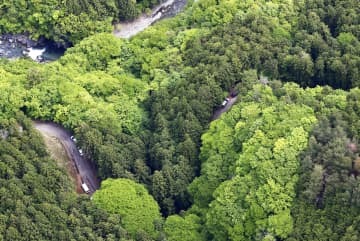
{"type": "Point", "coordinates": [221, 110]}
{"type": "Point", "coordinates": [85, 167]}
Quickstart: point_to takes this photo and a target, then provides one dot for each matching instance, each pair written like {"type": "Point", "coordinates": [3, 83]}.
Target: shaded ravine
{"type": "Point", "coordinates": [85, 168]}
{"type": "Point", "coordinates": [168, 8]}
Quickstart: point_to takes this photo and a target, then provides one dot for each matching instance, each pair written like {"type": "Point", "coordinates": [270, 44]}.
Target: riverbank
{"type": "Point", "coordinates": [168, 8]}
{"type": "Point", "coordinates": [14, 46]}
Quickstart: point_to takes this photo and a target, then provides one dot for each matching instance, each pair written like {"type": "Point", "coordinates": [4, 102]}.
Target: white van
{"type": "Point", "coordinates": [85, 187]}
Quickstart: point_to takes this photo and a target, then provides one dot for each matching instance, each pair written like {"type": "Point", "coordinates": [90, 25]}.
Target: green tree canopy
{"type": "Point", "coordinates": [138, 209]}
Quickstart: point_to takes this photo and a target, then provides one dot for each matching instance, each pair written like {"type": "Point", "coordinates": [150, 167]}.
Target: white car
{"type": "Point", "coordinates": [224, 103]}
{"type": "Point", "coordinates": [85, 187]}
{"type": "Point", "coordinates": [73, 138]}
{"type": "Point", "coordinates": [81, 152]}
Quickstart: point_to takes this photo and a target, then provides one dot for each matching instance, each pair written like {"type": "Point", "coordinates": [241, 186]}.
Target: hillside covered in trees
{"type": "Point", "coordinates": [282, 164]}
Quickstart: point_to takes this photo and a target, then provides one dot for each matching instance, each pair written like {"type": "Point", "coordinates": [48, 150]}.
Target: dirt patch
{"type": "Point", "coordinates": [78, 189]}
{"type": "Point", "coordinates": [59, 154]}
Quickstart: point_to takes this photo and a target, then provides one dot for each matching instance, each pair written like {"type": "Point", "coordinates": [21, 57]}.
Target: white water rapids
{"type": "Point", "coordinates": [35, 54]}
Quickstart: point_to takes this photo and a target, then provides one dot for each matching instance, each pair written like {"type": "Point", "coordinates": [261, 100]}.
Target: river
{"type": "Point", "coordinates": [166, 9]}
{"type": "Point", "coordinates": [20, 46]}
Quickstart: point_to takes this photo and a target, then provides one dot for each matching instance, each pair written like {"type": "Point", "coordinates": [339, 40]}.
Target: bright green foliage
{"type": "Point", "coordinates": [12, 93]}
{"type": "Point", "coordinates": [95, 103]}
{"type": "Point", "coordinates": [353, 112]}
{"type": "Point", "coordinates": [138, 209]}
{"type": "Point", "coordinates": [98, 50]}
{"type": "Point", "coordinates": [259, 194]}
{"type": "Point", "coordinates": [139, 109]}
{"type": "Point", "coordinates": [251, 160]}
{"type": "Point", "coordinates": [183, 228]}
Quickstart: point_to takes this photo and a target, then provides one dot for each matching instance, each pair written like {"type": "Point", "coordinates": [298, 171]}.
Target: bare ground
{"type": "Point", "coordinates": [81, 169]}
{"type": "Point", "coordinates": [58, 153]}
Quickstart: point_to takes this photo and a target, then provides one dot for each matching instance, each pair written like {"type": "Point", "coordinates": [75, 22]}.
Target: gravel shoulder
{"type": "Point", "coordinates": [84, 168]}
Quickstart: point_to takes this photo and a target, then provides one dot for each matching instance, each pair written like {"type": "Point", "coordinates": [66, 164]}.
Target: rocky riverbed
{"type": "Point", "coordinates": [21, 46]}
{"type": "Point", "coordinates": [168, 8]}
{"type": "Point", "coordinates": [14, 46]}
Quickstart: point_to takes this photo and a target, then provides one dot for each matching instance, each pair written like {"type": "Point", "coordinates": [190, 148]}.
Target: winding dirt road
{"type": "Point", "coordinates": [85, 168]}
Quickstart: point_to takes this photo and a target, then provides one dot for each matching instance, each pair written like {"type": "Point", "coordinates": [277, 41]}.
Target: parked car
{"type": "Point", "coordinates": [85, 187]}
{"type": "Point", "coordinates": [225, 102]}
{"type": "Point", "coordinates": [81, 152]}
{"type": "Point", "coordinates": [73, 138]}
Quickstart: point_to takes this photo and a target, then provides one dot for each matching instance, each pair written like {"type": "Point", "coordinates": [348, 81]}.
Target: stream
{"type": "Point", "coordinates": [20, 46]}
{"type": "Point", "coordinates": [166, 9]}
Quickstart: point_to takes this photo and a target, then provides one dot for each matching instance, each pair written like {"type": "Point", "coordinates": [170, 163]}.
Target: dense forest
{"type": "Point", "coordinates": [281, 164]}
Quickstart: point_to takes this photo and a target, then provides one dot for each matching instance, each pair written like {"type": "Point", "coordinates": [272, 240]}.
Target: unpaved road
{"type": "Point", "coordinates": [221, 110]}
{"type": "Point", "coordinates": [85, 167]}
